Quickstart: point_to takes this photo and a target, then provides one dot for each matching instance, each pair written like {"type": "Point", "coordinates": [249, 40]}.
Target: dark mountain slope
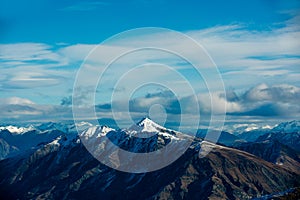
{"type": "Point", "coordinates": [275, 152]}
{"type": "Point", "coordinates": [63, 169]}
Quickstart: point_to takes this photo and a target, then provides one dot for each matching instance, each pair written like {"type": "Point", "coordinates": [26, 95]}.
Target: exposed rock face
{"type": "Point", "coordinates": [291, 139]}
{"type": "Point", "coordinates": [275, 152]}
{"type": "Point", "coordinates": [17, 139]}
{"type": "Point", "coordinates": [64, 169]}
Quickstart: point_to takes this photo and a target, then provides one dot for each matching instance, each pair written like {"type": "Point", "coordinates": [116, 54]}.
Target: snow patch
{"type": "Point", "coordinates": [17, 130]}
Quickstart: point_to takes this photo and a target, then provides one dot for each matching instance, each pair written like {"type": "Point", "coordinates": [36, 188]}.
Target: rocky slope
{"type": "Point", "coordinates": [17, 139]}
{"type": "Point", "coordinates": [275, 152]}
{"type": "Point", "coordinates": [64, 169]}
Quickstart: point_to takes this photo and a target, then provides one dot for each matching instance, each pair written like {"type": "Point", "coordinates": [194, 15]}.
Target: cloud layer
{"type": "Point", "coordinates": [259, 102]}
{"type": "Point", "coordinates": [237, 51]}
{"type": "Point", "coordinates": [45, 73]}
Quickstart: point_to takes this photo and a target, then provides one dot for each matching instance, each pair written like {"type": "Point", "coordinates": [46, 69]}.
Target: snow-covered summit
{"type": "Point", "coordinates": [95, 131]}
{"type": "Point", "coordinates": [288, 127]}
{"type": "Point", "coordinates": [40, 128]}
{"type": "Point", "coordinates": [147, 128]}
{"type": "Point", "coordinates": [17, 129]}
{"type": "Point", "coordinates": [237, 129]}
{"type": "Point", "coordinates": [148, 125]}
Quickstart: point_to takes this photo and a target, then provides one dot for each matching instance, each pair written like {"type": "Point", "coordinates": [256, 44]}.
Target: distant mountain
{"type": "Point", "coordinates": [251, 132]}
{"type": "Point", "coordinates": [6, 149]}
{"type": "Point", "coordinates": [48, 126]}
{"type": "Point", "coordinates": [64, 169]}
{"type": "Point", "coordinates": [288, 130]}
{"type": "Point", "coordinates": [225, 138]}
{"type": "Point", "coordinates": [253, 135]}
{"type": "Point", "coordinates": [290, 139]}
{"type": "Point", "coordinates": [279, 145]}
{"type": "Point", "coordinates": [275, 152]}
{"type": "Point", "coordinates": [237, 129]}
{"type": "Point", "coordinates": [16, 139]}
{"type": "Point", "coordinates": [287, 133]}
{"type": "Point", "coordinates": [25, 141]}
{"type": "Point", "coordinates": [288, 127]}
{"type": "Point", "coordinates": [17, 129]}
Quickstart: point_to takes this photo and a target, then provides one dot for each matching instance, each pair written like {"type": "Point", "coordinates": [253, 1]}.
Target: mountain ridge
{"type": "Point", "coordinates": [64, 169]}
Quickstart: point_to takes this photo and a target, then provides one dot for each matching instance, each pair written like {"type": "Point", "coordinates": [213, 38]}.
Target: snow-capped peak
{"type": "Point", "coordinates": [16, 129]}
{"type": "Point", "coordinates": [288, 127]}
{"type": "Point", "coordinates": [83, 123]}
{"type": "Point", "coordinates": [148, 125]}
{"type": "Point", "coordinates": [146, 128]}
{"type": "Point", "coordinates": [99, 130]}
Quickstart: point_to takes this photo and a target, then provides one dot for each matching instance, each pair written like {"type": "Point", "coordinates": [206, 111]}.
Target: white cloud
{"type": "Point", "coordinates": [236, 50]}
{"type": "Point", "coordinates": [275, 93]}
{"type": "Point", "coordinates": [16, 100]}
{"type": "Point", "coordinates": [31, 77]}
{"type": "Point", "coordinates": [244, 57]}
{"type": "Point", "coordinates": [28, 52]}
{"type": "Point", "coordinates": [262, 102]}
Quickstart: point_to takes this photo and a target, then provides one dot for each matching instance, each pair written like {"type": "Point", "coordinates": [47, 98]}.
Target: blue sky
{"type": "Point", "coordinates": [93, 21]}
{"type": "Point", "coordinates": [254, 44]}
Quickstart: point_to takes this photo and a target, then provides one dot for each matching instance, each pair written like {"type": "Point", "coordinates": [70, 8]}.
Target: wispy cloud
{"type": "Point", "coordinates": [237, 51]}
{"type": "Point", "coordinates": [244, 57]}
{"type": "Point", "coordinates": [31, 66]}
{"type": "Point", "coordinates": [28, 53]}
{"type": "Point", "coordinates": [260, 103]}
{"type": "Point", "coordinates": [261, 100]}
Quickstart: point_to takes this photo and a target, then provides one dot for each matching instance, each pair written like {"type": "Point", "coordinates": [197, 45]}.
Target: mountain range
{"type": "Point", "coordinates": [51, 161]}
